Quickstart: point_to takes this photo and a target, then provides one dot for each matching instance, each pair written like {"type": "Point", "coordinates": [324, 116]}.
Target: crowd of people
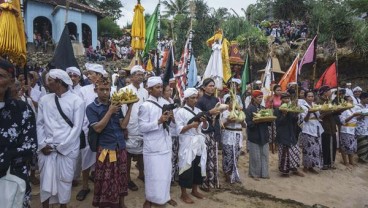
{"type": "Point", "coordinates": [69, 133]}
{"type": "Point", "coordinates": [288, 31]}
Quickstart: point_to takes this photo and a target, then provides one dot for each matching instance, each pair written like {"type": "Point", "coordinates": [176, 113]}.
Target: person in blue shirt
{"type": "Point", "coordinates": [107, 120]}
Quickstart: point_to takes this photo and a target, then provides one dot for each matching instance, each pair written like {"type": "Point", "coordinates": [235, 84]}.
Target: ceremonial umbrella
{"type": "Point", "coordinates": [12, 36]}
{"type": "Point", "coordinates": [138, 29]}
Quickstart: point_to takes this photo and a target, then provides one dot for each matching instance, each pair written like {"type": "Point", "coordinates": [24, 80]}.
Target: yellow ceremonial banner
{"type": "Point", "coordinates": [226, 70]}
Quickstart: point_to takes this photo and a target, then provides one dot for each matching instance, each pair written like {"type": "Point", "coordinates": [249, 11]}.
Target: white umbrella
{"type": "Point", "coordinates": [214, 66]}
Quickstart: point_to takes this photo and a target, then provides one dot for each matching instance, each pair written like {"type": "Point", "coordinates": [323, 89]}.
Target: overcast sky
{"type": "Point", "coordinates": [149, 6]}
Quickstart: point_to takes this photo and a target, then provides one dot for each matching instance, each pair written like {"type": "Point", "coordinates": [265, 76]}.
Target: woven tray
{"type": "Point", "coordinates": [291, 111]}
{"type": "Point", "coordinates": [130, 101]}
{"type": "Point", "coordinates": [313, 110]}
{"type": "Point", "coordinates": [264, 119]}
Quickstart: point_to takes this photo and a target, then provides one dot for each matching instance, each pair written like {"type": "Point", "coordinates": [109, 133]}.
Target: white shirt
{"type": "Point", "coordinates": [76, 89]}
{"type": "Point", "coordinates": [311, 127]}
{"type": "Point", "coordinates": [344, 115]}
{"type": "Point", "coordinates": [133, 127]}
{"type": "Point", "coordinates": [88, 95]}
{"type": "Point", "coordinates": [156, 139]}
{"type": "Point", "coordinates": [53, 129]}
{"type": "Point", "coordinates": [37, 92]}
{"type": "Point", "coordinates": [191, 142]}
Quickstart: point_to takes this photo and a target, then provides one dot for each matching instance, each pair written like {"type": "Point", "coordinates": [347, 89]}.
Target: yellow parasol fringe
{"type": "Point", "coordinates": [138, 28]}
{"type": "Point", "coordinates": [10, 40]}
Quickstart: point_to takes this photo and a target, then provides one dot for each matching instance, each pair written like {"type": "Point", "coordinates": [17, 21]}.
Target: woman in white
{"type": "Point", "coordinates": [348, 143]}
{"type": "Point", "coordinates": [310, 136]}
{"type": "Point", "coordinates": [232, 142]}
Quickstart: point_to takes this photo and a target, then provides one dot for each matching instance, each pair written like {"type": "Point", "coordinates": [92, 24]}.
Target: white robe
{"type": "Point", "coordinates": [134, 143]}
{"type": "Point", "coordinates": [88, 95]}
{"type": "Point", "coordinates": [57, 170]}
{"type": "Point", "coordinates": [191, 142]}
{"type": "Point", "coordinates": [157, 152]}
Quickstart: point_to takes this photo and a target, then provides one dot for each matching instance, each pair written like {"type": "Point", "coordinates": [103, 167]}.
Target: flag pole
{"type": "Point", "coordinates": [337, 72]}
{"type": "Point", "coordinates": [315, 59]}
{"type": "Point", "coordinates": [158, 38]}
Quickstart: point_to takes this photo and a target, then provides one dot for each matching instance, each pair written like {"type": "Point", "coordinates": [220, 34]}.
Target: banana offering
{"type": "Point", "coordinates": [124, 97]}
{"type": "Point", "coordinates": [236, 113]}
{"type": "Point", "coordinates": [290, 108]}
{"type": "Point", "coordinates": [343, 105]}
{"type": "Point", "coordinates": [263, 113]}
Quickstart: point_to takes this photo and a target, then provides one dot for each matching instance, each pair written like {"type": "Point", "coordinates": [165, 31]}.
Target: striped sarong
{"type": "Point", "coordinates": [258, 160]}
{"type": "Point", "coordinates": [211, 179]}
{"type": "Point", "coordinates": [362, 147]}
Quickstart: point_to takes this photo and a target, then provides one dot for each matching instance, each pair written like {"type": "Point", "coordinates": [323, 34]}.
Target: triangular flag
{"type": "Point", "coordinates": [246, 76]}
{"type": "Point", "coordinates": [192, 73]}
{"type": "Point", "coordinates": [290, 75]}
{"type": "Point", "coordinates": [310, 54]}
{"type": "Point", "coordinates": [149, 66]}
{"type": "Point", "coordinates": [64, 54]}
{"type": "Point", "coordinates": [329, 78]}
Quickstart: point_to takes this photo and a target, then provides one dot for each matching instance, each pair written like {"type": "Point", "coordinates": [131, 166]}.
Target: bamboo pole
{"type": "Point", "coordinates": [158, 71]}
{"type": "Point", "coordinates": [315, 61]}
{"type": "Point", "coordinates": [337, 73]}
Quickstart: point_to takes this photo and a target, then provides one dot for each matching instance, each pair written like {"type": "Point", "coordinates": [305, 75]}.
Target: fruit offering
{"type": "Point", "coordinates": [124, 96]}
{"type": "Point", "coordinates": [290, 108]}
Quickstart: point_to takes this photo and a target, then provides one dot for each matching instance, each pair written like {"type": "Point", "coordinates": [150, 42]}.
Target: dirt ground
{"type": "Point", "coordinates": [340, 188]}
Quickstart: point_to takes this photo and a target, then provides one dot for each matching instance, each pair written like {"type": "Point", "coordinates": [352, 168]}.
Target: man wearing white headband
{"type": "Point", "coordinates": [75, 75]}
{"type": "Point", "coordinates": [192, 147]}
{"type": "Point", "coordinates": [157, 146]}
{"type": "Point", "coordinates": [88, 95]}
{"type": "Point", "coordinates": [59, 124]}
{"type": "Point", "coordinates": [134, 143]}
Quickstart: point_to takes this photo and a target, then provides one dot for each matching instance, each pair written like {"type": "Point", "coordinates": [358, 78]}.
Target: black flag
{"type": "Point", "coordinates": [64, 55]}
{"type": "Point", "coordinates": [169, 69]}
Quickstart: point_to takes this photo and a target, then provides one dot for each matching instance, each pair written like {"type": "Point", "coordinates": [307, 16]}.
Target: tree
{"type": "Point", "coordinates": [112, 8]}
{"type": "Point", "coordinates": [108, 27]}
{"type": "Point", "coordinates": [289, 9]}
{"type": "Point", "coordinates": [175, 8]}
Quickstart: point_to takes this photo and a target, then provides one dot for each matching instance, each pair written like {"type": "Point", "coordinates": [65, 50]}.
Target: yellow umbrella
{"type": "Point", "coordinates": [12, 37]}
{"type": "Point", "coordinates": [138, 28]}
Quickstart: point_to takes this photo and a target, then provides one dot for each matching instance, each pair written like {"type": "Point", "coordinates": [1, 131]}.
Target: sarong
{"type": "Point", "coordinates": [211, 179]}
{"type": "Point", "coordinates": [111, 180]}
{"type": "Point", "coordinates": [289, 158]}
{"type": "Point", "coordinates": [312, 150]}
{"type": "Point", "coordinates": [258, 160]}
{"type": "Point", "coordinates": [230, 154]}
{"type": "Point", "coordinates": [175, 158]}
{"type": "Point", "coordinates": [362, 147]}
{"type": "Point", "coordinates": [348, 143]}
{"type": "Point", "coordinates": [157, 176]}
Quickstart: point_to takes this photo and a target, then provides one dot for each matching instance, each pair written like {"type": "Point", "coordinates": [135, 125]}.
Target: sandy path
{"type": "Point", "coordinates": [332, 188]}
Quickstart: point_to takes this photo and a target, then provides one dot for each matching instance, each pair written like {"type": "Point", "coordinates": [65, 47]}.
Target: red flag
{"type": "Point", "coordinates": [290, 75]}
{"type": "Point", "coordinates": [310, 54]}
{"type": "Point", "coordinates": [329, 77]}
